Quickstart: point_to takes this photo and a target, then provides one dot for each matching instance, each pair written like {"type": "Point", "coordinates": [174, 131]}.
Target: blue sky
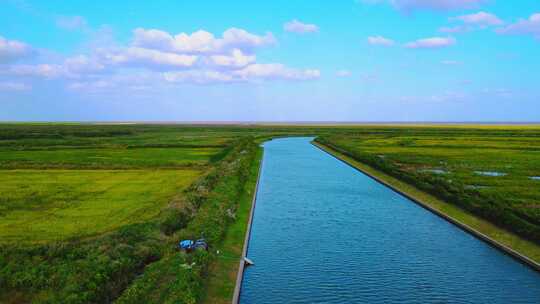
{"type": "Point", "coordinates": [363, 60]}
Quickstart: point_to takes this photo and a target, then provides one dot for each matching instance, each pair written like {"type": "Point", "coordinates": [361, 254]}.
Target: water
{"type": "Point", "coordinates": [325, 233]}
{"type": "Point", "coordinates": [490, 173]}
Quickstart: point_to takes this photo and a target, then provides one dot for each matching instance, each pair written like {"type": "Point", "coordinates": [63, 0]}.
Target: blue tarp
{"type": "Point", "coordinates": [186, 244]}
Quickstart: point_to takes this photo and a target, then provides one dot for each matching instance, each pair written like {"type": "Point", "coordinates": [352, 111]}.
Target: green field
{"type": "Point", "coordinates": [108, 158]}
{"type": "Point", "coordinates": [92, 213]}
{"type": "Point", "coordinates": [488, 171]}
{"type": "Point", "coordinates": [38, 206]}
{"type": "Point", "coordinates": [83, 208]}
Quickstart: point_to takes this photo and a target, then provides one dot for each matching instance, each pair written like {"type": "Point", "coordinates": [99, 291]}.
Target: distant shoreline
{"type": "Point", "coordinates": [287, 123]}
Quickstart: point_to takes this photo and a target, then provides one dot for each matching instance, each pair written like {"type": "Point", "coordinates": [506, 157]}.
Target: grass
{"type": "Point", "coordinates": [527, 248]}
{"type": "Point", "coordinates": [448, 163]}
{"type": "Point", "coordinates": [220, 215]}
{"type": "Point", "coordinates": [91, 213]}
{"type": "Point", "coordinates": [108, 158]}
{"type": "Point", "coordinates": [53, 205]}
{"type": "Point", "coordinates": [222, 275]}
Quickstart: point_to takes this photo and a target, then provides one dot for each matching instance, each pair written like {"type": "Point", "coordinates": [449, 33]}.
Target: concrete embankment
{"type": "Point", "coordinates": [242, 263]}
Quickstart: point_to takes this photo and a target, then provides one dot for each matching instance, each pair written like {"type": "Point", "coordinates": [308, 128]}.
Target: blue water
{"type": "Point", "coordinates": [325, 233]}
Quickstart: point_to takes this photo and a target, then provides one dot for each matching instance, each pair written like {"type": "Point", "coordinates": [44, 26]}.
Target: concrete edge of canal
{"type": "Point", "coordinates": [507, 250]}
{"type": "Point", "coordinates": [242, 264]}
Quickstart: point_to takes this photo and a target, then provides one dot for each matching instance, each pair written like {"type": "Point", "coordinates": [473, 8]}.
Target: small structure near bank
{"type": "Point", "coordinates": [248, 262]}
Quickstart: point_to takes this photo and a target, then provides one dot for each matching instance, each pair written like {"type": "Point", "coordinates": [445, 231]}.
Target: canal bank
{"type": "Point", "coordinates": [223, 272]}
{"type": "Point", "coordinates": [511, 244]}
{"type": "Point", "coordinates": [323, 232]}
{"type": "Point", "coordinates": [242, 263]}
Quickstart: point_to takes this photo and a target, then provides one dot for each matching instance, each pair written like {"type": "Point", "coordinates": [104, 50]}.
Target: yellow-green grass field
{"type": "Point", "coordinates": [119, 158]}
{"type": "Point", "coordinates": [493, 172]}
{"type": "Point", "coordinates": [39, 206]}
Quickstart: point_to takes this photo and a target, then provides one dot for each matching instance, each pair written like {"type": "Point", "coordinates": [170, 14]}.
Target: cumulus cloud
{"type": "Point", "coordinates": [296, 26]}
{"type": "Point", "coordinates": [137, 56]}
{"type": "Point", "coordinates": [14, 86]}
{"type": "Point", "coordinates": [530, 26]}
{"type": "Point", "coordinates": [12, 50]}
{"type": "Point", "coordinates": [235, 59]}
{"type": "Point", "coordinates": [437, 5]}
{"type": "Point", "coordinates": [198, 58]}
{"type": "Point", "coordinates": [471, 22]}
{"type": "Point", "coordinates": [431, 43]}
{"type": "Point", "coordinates": [200, 41]}
{"type": "Point", "coordinates": [480, 19]}
{"type": "Point", "coordinates": [71, 22]}
{"type": "Point", "coordinates": [380, 40]}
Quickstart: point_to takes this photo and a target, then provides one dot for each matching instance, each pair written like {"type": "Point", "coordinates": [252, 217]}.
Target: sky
{"type": "Point", "coordinates": [281, 60]}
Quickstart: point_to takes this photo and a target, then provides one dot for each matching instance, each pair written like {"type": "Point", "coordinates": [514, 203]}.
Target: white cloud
{"type": "Point", "coordinates": [296, 26]}
{"type": "Point", "coordinates": [343, 73]}
{"type": "Point", "coordinates": [239, 38]}
{"type": "Point", "coordinates": [529, 26]}
{"type": "Point", "coordinates": [480, 19]}
{"type": "Point", "coordinates": [198, 58]}
{"type": "Point", "coordinates": [12, 50]}
{"type": "Point", "coordinates": [437, 5]}
{"type": "Point", "coordinates": [150, 58]}
{"type": "Point", "coordinates": [200, 41]}
{"type": "Point", "coordinates": [14, 86]}
{"type": "Point", "coordinates": [431, 43]}
{"type": "Point", "coordinates": [71, 22]}
{"type": "Point", "coordinates": [235, 59]}
{"type": "Point", "coordinates": [380, 40]}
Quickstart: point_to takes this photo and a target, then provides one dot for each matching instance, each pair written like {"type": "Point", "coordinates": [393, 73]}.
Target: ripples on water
{"type": "Point", "coordinates": [325, 233]}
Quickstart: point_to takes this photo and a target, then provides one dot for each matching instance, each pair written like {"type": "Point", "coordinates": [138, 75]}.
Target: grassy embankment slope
{"type": "Point", "coordinates": [482, 176]}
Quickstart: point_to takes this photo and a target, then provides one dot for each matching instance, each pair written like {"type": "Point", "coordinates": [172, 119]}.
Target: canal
{"type": "Point", "coordinates": [324, 232]}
